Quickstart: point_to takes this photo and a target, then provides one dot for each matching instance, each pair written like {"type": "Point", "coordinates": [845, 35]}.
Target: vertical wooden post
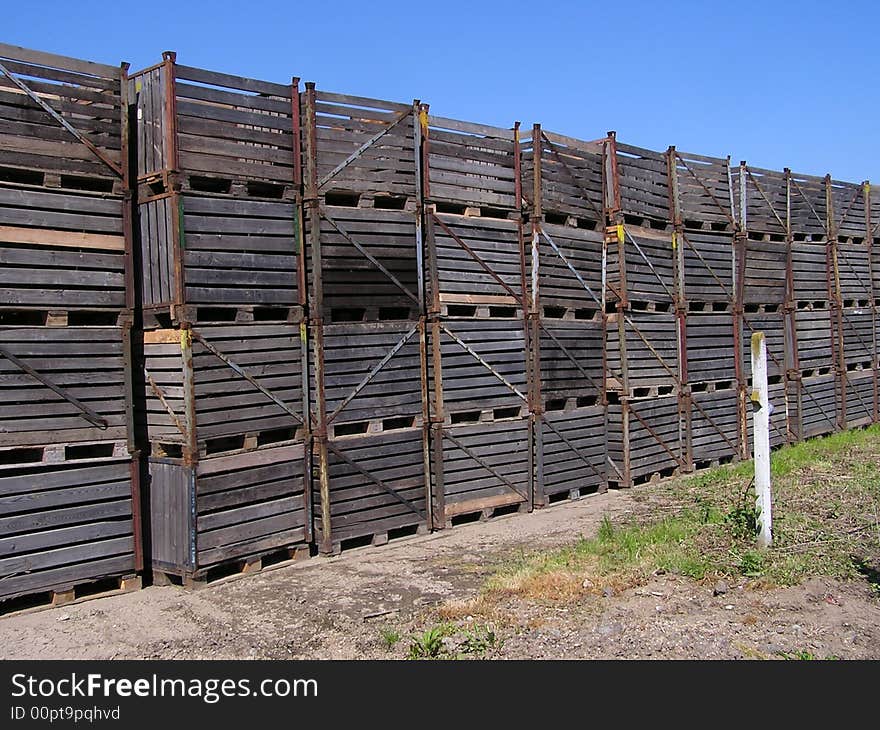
{"type": "Point", "coordinates": [316, 316]}
{"type": "Point", "coordinates": [761, 418]}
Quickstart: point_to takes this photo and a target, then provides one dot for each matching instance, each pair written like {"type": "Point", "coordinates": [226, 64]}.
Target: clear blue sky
{"type": "Point", "coordinates": [776, 83]}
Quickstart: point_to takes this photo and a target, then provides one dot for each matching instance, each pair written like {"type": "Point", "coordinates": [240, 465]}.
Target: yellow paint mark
{"type": "Point", "coordinates": [185, 339]}
{"type": "Point", "coordinates": [674, 241]}
{"type": "Point", "coordinates": [621, 233]}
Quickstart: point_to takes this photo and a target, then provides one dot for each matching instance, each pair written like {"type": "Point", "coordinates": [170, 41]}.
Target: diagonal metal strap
{"type": "Point", "coordinates": [708, 192]}
{"type": "Point", "coordinates": [373, 478]}
{"type": "Point", "coordinates": [360, 150]}
{"type": "Point", "coordinates": [647, 261]}
{"type": "Point", "coordinates": [86, 412]}
{"type": "Point", "coordinates": [165, 404]}
{"type": "Point", "coordinates": [61, 120]}
{"type": "Point", "coordinates": [374, 372]}
{"type": "Point", "coordinates": [824, 224]}
{"type": "Point", "coordinates": [707, 266]}
{"type": "Point", "coordinates": [367, 255]}
{"type": "Point", "coordinates": [574, 448]}
{"type": "Point", "coordinates": [650, 347]}
{"type": "Point", "coordinates": [476, 257]}
{"type": "Point", "coordinates": [656, 437]}
{"type": "Point", "coordinates": [852, 327]}
{"type": "Point", "coordinates": [569, 265]}
{"type": "Point", "coordinates": [614, 466]}
{"type": "Point", "coordinates": [852, 202]}
{"type": "Point", "coordinates": [482, 463]}
{"type": "Point", "coordinates": [570, 357]}
{"type": "Point", "coordinates": [766, 199]}
{"type": "Point", "coordinates": [570, 171]}
{"type": "Point", "coordinates": [855, 273]}
{"type": "Point", "coordinates": [482, 362]}
{"type": "Point", "coordinates": [714, 425]}
{"type": "Point", "coordinates": [247, 376]}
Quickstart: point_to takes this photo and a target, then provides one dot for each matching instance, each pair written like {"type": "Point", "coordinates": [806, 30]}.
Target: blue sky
{"type": "Point", "coordinates": [776, 83]}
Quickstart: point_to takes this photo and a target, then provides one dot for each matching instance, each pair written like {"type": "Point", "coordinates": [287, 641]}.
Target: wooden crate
{"type": "Point", "coordinates": [571, 185]}
{"type": "Point", "coordinates": [645, 264]}
{"type": "Point", "coordinates": [642, 182]}
{"type": "Point", "coordinates": [814, 337]}
{"type": "Point", "coordinates": [226, 509]}
{"type": "Point", "coordinates": [358, 288]}
{"type": "Point", "coordinates": [818, 405]}
{"type": "Point", "coordinates": [766, 196]}
{"type": "Point", "coordinates": [809, 210]}
{"type": "Point", "coordinates": [858, 330]}
{"type": "Point", "coordinates": [63, 251]}
{"type": "Point", "coordinates": [482, 369]}
{"type": "Point", "coordinates": [477, 259]}
{"type": "Point", "coordinates": [572, 363]}
{"type": "Point", "coordinates": [809, 264]}
{"type": "Point", "coordinates": [221, 252]}
{"type": "Point", "coordinates": [36, 149]}
{"type": "Point", "coordinates": [715, 426]}
{"type": "Point", "coordinates": [847, 212]}
{"type": "Point", "coordinates": [486, 468]}
{"type": "Point", "coordinates": [708, 267]}
{"type": "Point", "coordinates": [651, 358]}
{"type": "Point", "coordinates": [854, 271]}
{"type": "Point", "coordinates": [764, 272]}
{"type": "Point", "coordinates": [644, 440]}
{"type": "Point", "coordinates": [89, 401]}
{"type": "Point", "coordinates": [563, 273]}
{"type": "Point", "coordinates": [66, 525]}
{"type": "Point", "coordinates": [705, 196]}
{"type": "Point", "coordinates": [372, 376]}
{"type": "Point", "coordinates": [571, 460]}
{"type": "Point", "coordinates": [196, 403]}
{"type": "Point", "coordinates": [377, 488]}
{"type": "Point", "coordinates": [711, 348]}
{"type": "Point", "coordinates": [860, 388]}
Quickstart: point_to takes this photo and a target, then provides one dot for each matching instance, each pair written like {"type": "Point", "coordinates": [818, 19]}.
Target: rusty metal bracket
{"type": "Point", "coordinates": [33, 96]}
{"type": "Point", "coordinates": [86, 412]}
{"type": "Point", "coordinates": [247, 376]}
{"type": "Point", "coordinates": [374, 372]}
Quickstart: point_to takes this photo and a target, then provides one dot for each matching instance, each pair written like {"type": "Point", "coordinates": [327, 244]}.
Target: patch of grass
{"type": "Point", "coordinates": [390, 637]}
{"type": "Point", "coordinates": [803, 655]}
{"type": "Point", "coordinates": [826, 495]}
{"type": "Point", "coordinates": [429, 644]}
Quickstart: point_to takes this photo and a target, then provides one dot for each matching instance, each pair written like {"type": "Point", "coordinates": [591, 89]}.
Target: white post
{"type": "Point", "coordinates": [761, 413]}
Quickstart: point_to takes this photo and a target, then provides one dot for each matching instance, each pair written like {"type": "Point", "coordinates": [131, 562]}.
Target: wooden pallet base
{"type": "Point", "coordinates": [233, 569]}
{"type": "Point", "coordinates": [570, 495]}
{"type": "Point", "coordinates": [78, 593]}
{"type": "Point", "coordinates": [378, 539]}
{"type": "Point", "coordinates": [487, 513]}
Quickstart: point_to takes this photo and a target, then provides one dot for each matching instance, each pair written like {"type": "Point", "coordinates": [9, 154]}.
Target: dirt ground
{"type": "Point", "coordinates": [346, 607]}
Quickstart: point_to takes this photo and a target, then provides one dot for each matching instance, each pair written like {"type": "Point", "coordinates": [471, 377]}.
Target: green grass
{"type": "Point", "coordinates": [389, 637]}
{"type": "Point", "coordinates": [826, 494]}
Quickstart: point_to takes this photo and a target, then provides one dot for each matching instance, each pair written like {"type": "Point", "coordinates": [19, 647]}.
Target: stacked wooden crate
{"type": "Point", "coordinates": [563, 189]}
{"type": "Point", "coordinates": [644, 378]}
{"type": "Point", "coordinates": [769, 266]}
{"type": "Point", "coordinates": [704, 219]}
{"type": "Point", "coordinates": [366, 313]}
{"type": "Point", "coordinates": [69, 500]}
{"type": "Point", "coordinates": [223, 338]}
{"type": "Point", "coordinates": [848, 225]}
{"type": "Point", "coordinates": [481, 397]}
